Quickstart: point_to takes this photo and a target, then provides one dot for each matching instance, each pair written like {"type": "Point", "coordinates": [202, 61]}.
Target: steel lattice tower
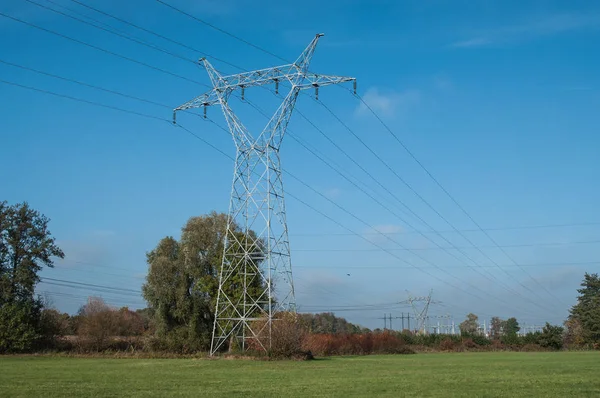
{"type": "Point", "coordinates": [256, 258]}
{"type": "Point", "coordinates": [421, 315]}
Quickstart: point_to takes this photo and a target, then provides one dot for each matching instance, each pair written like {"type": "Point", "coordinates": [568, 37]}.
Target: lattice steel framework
{"type": "Point", "coordinates": [255, 281]}
{"type": "Point", "coordinates": [421, 314]}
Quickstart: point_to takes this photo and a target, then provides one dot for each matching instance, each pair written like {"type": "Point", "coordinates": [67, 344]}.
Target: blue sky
{"type": "Point", "coordinates": [497, 99]}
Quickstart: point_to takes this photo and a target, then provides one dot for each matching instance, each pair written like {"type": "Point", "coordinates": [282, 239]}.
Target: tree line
{"type": "Point", "coordinates": [181, 288]}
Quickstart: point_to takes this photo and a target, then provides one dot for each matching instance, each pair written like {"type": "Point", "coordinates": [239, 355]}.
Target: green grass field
{"type": "Point", "coordinates": [423, 375]}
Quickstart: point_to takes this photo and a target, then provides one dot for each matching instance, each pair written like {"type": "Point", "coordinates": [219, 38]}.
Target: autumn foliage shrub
{"type": "Point", "coordinates": [287, 334]}
{"type": "Point", "coordinates": [469, 343]}
{"type": "Point", "coordinates": [447, 345]}
{"type": "Point", "coordinates": [355, 344]}
{"type": "Point", "coordinates": [497, 345]}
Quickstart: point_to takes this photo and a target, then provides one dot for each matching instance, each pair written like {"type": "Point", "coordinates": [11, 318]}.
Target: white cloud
{"type": "Point", "coordinates": [388, 103]}
{"type": "Point", "coordinates": [475, 42]}
{"type": "Point", "coordinates": [532, 29]}
{"type": "Point", "coordinates": [333, 193]}
{"type": "Point", "coordinates": [385, 229]}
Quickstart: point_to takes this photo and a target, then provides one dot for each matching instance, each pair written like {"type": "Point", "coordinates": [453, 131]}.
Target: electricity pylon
{"type": "Point", "coordinates": [255, 279]}
{"type": "Point", "coordinates": [421, 314]}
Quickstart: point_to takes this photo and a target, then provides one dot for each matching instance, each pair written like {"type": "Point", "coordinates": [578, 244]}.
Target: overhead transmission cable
{"type": "Point", "coordinates": [389, 130]}
{"type": "Point", "coordinates": [148, 31]}
{"type": "Point", "coordinates": [61, 35]}
{"type": "Point", "coordinates": [474, 268]}
{"type": "Point", "coordinates": [231, 158]}
{"type": "Point", "coordinates": [101, 49]}
{"type": "Point", "coordinates": [401, 179]}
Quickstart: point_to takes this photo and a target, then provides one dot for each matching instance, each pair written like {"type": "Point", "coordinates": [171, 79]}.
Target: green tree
{"type": "Point", "coordinates": [510, 328]}
{"type": "Point", "coordinates": [470, 325]}
{"type": "Point", "coordinates": [182, 282]}
{"type": "Point", "coordinates": [585, 315]}
{"type": "Point", "coordinates": [496, 326]}
{"type": "Point", "coordinates": [551, 337]}
{"type": "Point", "coordinates": [26, 245]}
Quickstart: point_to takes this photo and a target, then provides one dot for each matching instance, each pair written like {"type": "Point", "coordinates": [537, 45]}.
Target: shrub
{"type": "Point", "coordinates": [387, 343]}
{"type": "Point", "coordinates": [531, 338]}
{"type": "Point", "coordinates": [355, 344]}
{"type": "Point", "coordinates": [551, 337]}
{"type": "Point", "coordinates": [447, 345]}
{"type": "Point", "coordinates": [97, 324]}
{"type": "Point", "coordinates": [287, 334]}
{"type": "Point", "coordinates": [469, 343]}
{"type": "Point", "coordinates": [497, 345]}
{"type": "Point", "coordinates": [19, 326]}
{"type": "Point", "coordinates": [480, 340]}
{"type": "Point", "coordinates": [532, 348]}
{"type": "Point", "coordinates": [53, 326]}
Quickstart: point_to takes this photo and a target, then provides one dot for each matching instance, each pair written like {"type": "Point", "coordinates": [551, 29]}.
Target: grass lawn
{"type": "Point", "coordinates": [422, 375]}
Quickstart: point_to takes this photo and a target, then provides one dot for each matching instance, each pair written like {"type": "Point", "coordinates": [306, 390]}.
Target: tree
{"type": "Point", "coordinates": [97, 324]}
{"type": "Point", "coordinates": [470, 325]}
{"type": "Point", "coordinates": [510, 328]}
{"type": "Point", "coordinates": [183, 279]}
{"type": "Point", "coordinates": [327, 322]}
{"type": "Point", "coordinates": [26, 245]}
{"type": "Point", "coordinates": [551, 337]}
{"type": "Point", "coordinates": [585, 315]}
{"type": "Point", "coordinates": [496, 326]}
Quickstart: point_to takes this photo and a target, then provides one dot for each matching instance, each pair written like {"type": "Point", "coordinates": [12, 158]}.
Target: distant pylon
{"type": "Point", "coordinates": [421, 314]}
{"type": "Point", "coordinates": [257, 249]}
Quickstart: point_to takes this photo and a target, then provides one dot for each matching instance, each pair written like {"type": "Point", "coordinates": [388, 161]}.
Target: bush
{"type": "Point", "coordinates": [287, 334]}
{"type": "Point", "coordinates": [532, 348]}
{"type": "Point", "coordinates": [53, 326]}
{"type": "Point", "coordinates": [551, 337]}
{"type": "Point", "coordinates": [385, 343]}
{"type": "Point", "coordinates": [469, 343]}
{"type": "Point", "coordinates": [20, 326]}
{"type": "Point", "coordinates": [497, 345]}
{"type": "Point", "coordinates": [97, 324]}
{"type": "Point", "coordinates": [355, 344]}
{"type": "Point", "coordinates": [531, 338]}
{"type": "Point", "coordinates": [480, 340]}
{"type": "Point", "coordinates": [447, 345]}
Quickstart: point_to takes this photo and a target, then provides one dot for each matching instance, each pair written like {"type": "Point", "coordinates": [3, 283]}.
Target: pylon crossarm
{"type": "Point", "coordinates": [312, 80]}
{"type": "Point", "coordinates": [283, 73]}
{"type": "Point", "coordinates": [207, 99]}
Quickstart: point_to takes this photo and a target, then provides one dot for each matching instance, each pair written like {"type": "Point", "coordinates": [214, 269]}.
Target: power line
{"type": "Point", "coordinates": [104, 29]}
{"type": "Point", "coordinates": [151, 32]}
{"type": "Point", "coordinates": [139, 114]}
{"type": "Point", "coordinates": [116, 289]}
{"type": "Point", "coordinates": [345, 210]}
{"type": "Point", "coordinates": [83, 100]}
{"type": "Point", "coordinates": [270, 53]}
{"type": "Point", "coordinates": [519, 227]}
{"type": "Point", "coordinates": [559, 264]}
{"type": "Point", "coordinates": [101, 49]}
{"type": "Point", "coordinates": [222, 31]}
{"type": "Point", "coordinates": [493, 278]}
{"type": "Point", "coordinates": [112, 31]}
{"type": "Point", "coordinates": [463, 248]}
{"type": "Point", "coordinates": [452, 197]}
{"type": "Point", "coordinates": [84, 84]}
{"type": "Point", "coordinates": [386, 164]}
